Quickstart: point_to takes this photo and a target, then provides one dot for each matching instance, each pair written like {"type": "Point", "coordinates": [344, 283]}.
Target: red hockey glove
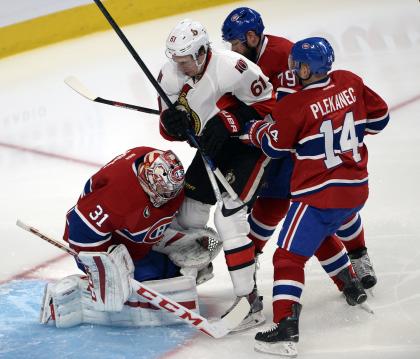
{"type": "Point", "coordinates": [254, 131]}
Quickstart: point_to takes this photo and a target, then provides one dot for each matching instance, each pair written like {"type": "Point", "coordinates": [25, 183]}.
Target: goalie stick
{"type": "Point", "coordinates": [208, 161]}
{"type": "Point", "coordinates": [216, 329]}
{"type": "Point", "coordinates": [77, 86]}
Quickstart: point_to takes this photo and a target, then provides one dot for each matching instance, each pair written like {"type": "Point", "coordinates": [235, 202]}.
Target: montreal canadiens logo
{"type": "Point", "coordinates": [234, 17]}
{"type": "Point", "coordinates": [155, 232]}
{"type": "Point", "coordinates": [177, 174]}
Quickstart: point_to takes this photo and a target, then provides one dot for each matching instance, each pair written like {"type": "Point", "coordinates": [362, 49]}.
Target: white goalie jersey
{"type": "Point", "coordinates": [226, 72]}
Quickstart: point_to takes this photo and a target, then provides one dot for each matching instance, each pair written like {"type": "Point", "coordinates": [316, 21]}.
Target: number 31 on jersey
{"type": "Point", "coordinates": [98, 215]}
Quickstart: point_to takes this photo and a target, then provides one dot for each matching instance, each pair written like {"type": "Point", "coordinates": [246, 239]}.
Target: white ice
{"type": "Point", "coordinates": [380, 41]}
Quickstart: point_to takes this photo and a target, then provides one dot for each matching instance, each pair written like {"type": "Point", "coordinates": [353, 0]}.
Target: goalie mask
{"type": "Point", "coordinates": [161, 176]}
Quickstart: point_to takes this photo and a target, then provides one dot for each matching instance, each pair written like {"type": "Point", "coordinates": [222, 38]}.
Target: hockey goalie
{"type": "Point", "coordinates": [123, 227]}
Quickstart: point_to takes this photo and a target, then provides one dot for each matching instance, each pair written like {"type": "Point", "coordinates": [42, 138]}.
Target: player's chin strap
{"type": "Point", "coordinates": [215, 329]}
{"type": "Point", "coordinates": [209, 163]}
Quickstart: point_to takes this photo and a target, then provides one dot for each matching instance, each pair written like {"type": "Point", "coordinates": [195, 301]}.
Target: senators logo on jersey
{"type": "Point", "coordinates": [182, 100]}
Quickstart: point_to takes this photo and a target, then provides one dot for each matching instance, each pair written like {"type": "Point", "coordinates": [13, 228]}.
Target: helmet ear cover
{"type": "Point", "coordinates": [161, 175]}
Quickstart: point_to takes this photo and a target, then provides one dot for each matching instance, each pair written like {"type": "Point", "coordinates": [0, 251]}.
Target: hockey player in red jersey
{"type": "Point", "coordinates": [197, 79]}
{"type": "Point", "coordinates": [128, 201]}
{"type": "Point", "coordinates": [117, 227]}
{"type": "Point", "coordinates": [243, 28]}
{"type": "Point", "coordinates": [323, 127]}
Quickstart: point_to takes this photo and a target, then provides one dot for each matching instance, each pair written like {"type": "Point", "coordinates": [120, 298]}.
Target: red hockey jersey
{"type": "Point", "coordinates": [114, 209]}
{"type": "Point", "coordinates": [273, 60]}
{"type": "Point", "coordinates": [323, 126]}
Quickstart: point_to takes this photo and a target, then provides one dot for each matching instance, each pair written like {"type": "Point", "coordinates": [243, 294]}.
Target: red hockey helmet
{"type": "Point", "coordinates": [161, 176]}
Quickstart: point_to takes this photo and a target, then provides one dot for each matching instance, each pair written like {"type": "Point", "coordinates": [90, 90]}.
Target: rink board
{"type": "Point", "coordinates": [21, 335]}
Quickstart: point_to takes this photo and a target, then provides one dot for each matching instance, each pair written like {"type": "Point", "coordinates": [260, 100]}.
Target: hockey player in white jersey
{"type": "Point", "coordinates": [215, 92]}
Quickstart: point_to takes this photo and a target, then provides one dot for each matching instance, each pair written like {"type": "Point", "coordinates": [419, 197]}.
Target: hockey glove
{"type": "Point", "coordinates": [176, 122]}
{"type": "Point", "coordinates": [255, 132]}
{"type": "Point", "coordinates": [214, 136]}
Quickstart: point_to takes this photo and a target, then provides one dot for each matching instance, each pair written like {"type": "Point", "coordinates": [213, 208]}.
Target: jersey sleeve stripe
{"type": "Point", "coordinates": [376, 125]}
{"type": "Point", "coordinates": [134, 237]}
{"type": "Point", "coordinates": [90, 244]}
{"type": "Point", "coordinates": [87, 188]}
{"type": "Point", "coordinates": [270, 150]}
{"type": "Point", "coordinates": [331, 182]}
{"type": "Point", "coordinates": [88, 224]}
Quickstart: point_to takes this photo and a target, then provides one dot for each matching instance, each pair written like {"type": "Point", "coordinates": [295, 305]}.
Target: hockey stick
{"type": "Point", "coordinates": [217, 329]}
{"type": "Point", "coordinates": [226, 212]}
{"type": "Point", "coordinates": [77, 86]}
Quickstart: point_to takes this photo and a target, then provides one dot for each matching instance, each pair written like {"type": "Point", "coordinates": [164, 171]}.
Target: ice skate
{"type": "Point", "coordinates": [363, 267]}
{"type": "Point", "coordinates": [282, 337]}
{"type": "Point", "coordinates": [255, 316]}
{"type": "Point", "coordinates": [353, 289]}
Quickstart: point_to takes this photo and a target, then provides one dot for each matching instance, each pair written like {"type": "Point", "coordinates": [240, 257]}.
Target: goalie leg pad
{"type": "Point", "coordinates": [68, 303]}
{"type": "Point", "coordinates": [62, 302]}
{"type": "Point", "coordinates": [181, 289]}
{"type": "Point", "coordinates": [109, 274]}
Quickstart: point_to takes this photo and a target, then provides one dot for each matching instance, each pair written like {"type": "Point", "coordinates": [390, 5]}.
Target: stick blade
{"type": "Point", "coordinates": [235, 316]}
{"type": "Point", "coordinates": [77, 86]}
{"type": "Point", "coordinates": [22, 225]}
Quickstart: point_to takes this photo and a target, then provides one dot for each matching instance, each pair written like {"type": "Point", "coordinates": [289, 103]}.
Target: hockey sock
{"type": "Point", "coordinates": [289, 280]}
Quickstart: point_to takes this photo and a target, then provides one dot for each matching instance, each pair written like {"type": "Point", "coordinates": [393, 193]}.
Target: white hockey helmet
{"type": "Point", "coordinates": [187, 38]}
{"type": "Point", "coordinates": [161, 175]}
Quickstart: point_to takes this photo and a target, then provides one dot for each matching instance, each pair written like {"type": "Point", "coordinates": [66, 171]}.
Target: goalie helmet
{"type": "Point", "coordinates": [161, 176]}
{"type": "Point", "coordinates": [187, 38]}
{"type": "Point", "coordinates": [316, 52]}
{"type": "Point", "coordinates": [239, 22]}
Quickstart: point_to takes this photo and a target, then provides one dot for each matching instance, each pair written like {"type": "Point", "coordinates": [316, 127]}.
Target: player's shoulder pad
{"type": "Point", "coordinates": [345, 74]}
{"type": "Point", "coordinates": [233, 65]}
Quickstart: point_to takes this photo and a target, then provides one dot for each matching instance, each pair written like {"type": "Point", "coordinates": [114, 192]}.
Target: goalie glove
{"type": "Point", "coordinates": [192, 249]}
{"type": "Point", "coordinates": [109, 276]}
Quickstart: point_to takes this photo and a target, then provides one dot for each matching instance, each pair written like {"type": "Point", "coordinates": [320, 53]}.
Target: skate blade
{"type": "Point", "coordinates": [285, 349]}
{"type": "Point", "coordinates": [254, 320]}
{"type": "Point", "coordinates": [366, 307]}
{"type": "Point", "coordinates": [370, 292]}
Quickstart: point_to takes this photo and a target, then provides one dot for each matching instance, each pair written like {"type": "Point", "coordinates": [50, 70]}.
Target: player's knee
{"type": "Point", "coordinates": [284, 259]}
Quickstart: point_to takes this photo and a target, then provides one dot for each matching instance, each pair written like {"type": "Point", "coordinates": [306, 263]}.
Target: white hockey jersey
{"type": "Point", "coordinates": [226, 72]}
